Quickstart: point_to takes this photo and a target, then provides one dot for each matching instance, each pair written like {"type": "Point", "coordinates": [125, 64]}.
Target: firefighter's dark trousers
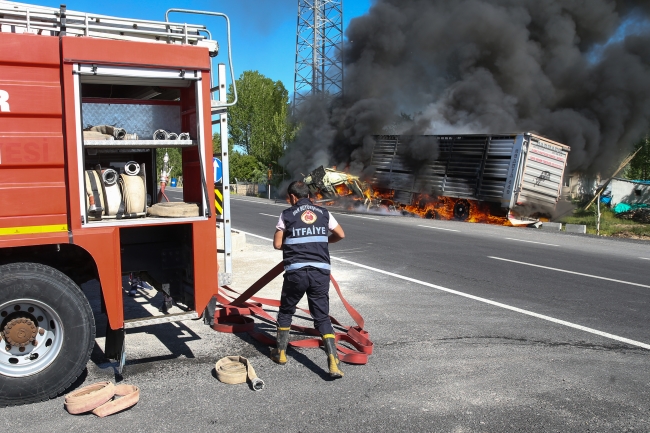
{"type": "Point", "coordinates": [315, 283]}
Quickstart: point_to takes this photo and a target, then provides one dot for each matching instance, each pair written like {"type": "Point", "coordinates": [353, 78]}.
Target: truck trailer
{"type": "Point", "coordinates": [88, 105]}
{"type": "Point", "coordinates": [517, 175]}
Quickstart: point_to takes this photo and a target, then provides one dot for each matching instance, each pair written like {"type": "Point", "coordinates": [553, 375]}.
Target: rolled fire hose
{"type": "Point", "coordinates": [133, 193]}
{"type": "Point", "coordinates": [99, 398]}
{"type": "Point", "coordinates": [113, 195]}
{"type": "Point", "coordinates": [237, 369]}
{"type": "Point", "coordinates": [113, 199]}
{"type": "Point", "coordinates": [94, 195]}
{"type": "Point", "coordinates": [117, 133]}
{"type": "Point", "coordinates": [184, 136]}
{"type": "Point", "coordinates": [174, 210]}
{"type": "Point", "coordinates": [94, 135]}
{"type": "Point", "coordinates": [161, 134]}
{"type": "Point", "coordinates": [172, 136]}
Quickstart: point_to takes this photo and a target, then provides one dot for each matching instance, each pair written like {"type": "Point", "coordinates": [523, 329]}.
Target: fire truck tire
{"type": "Point", "coordinates": [48, 332]}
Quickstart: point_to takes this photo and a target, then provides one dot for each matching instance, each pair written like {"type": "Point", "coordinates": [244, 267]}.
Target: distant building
{"type": "Point", "coordinates": [576, 186]}
{"type": "Point", "coordinates": [630, 191]}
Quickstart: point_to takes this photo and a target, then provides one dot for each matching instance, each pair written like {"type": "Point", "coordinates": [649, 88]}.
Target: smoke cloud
{"type": "Point", "coordinates": [574, 71]}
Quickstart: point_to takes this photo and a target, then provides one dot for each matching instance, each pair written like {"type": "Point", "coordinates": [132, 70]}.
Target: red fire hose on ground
{"type": "Point", "coordinates": [232, 316]}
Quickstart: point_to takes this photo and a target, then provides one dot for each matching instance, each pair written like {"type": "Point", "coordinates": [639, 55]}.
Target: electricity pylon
{"type": "Point", "coordinates": [319, 41]}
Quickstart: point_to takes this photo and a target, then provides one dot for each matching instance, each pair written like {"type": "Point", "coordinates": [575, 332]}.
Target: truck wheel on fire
{"type": "Point", "coordinates": [47, 331]}
{"type": "Point", "coordinates": [461, 210]}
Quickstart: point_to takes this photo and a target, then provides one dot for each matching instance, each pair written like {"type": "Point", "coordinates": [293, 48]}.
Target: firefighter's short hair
{"type": "Point", "coordinates": [299, 189]}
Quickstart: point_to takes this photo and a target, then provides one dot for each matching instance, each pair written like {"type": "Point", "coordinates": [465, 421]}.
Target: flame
{"type": "Point", "coordinates": [423, 205]}
{"type": "Point", "coordinates": [343, 190]}
{"type": "Point", "coordinates": [354, 194]}
{"type": "Point", "coordinates": [444, 208]}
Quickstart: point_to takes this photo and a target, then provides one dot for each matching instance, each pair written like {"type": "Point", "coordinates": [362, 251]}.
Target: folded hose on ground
{"type": "Point", "coordinates": [100, 399]}
{"type": "Point", "coordinates": [237, 369]}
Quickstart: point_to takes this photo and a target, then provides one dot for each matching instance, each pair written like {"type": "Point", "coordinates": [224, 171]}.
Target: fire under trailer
{"type": "Point", "coordinates": [83, 100]}
{"type": "Point", "coordinates": [516, 175]}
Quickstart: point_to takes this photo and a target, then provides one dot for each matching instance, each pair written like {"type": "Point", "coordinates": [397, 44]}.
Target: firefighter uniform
{"type": "Point", "coordinates": [306, 263]}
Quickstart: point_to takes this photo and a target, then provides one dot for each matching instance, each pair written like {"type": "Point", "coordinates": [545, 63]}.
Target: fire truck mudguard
{"type": "Point", "coordinates": [47, 333]}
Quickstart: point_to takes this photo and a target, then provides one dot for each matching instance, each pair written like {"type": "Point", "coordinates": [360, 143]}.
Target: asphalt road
{"type": "Point", "coordinates": [462, 342]}
{"type": "Point", "coordinates": [602, 284]}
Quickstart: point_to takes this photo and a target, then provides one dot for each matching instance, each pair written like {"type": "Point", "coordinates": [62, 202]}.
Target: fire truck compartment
{"type": "Point", "coordinates": [140, 102]}
{"type": "Point", "coordinates": [162, 256]}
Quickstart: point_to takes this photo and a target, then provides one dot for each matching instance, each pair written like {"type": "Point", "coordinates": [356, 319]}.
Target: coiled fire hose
{"type": "Point", "coordinates": [133, 193]}
{"type": "Point", "coordinates": [117, 133]}
{"type": "Point", "coordinates": [100, 399]}
{"type": "Point", "coordinates": [95, 197]}
{"type": "Point", "coordinates": [113, 197]}
{"type": "Point", "coordinates": [237, 369]}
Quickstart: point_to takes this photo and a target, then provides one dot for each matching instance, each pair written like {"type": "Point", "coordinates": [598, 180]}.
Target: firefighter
{"type": "Point", "coordinates": [303, 235]}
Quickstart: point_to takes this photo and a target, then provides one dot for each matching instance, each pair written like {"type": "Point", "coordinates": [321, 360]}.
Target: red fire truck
{"type": "Point", "coordinates": [88, 105]}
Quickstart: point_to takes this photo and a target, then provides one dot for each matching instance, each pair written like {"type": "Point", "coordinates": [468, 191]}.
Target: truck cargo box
{"type": "Point", "coordinates": [521, 172]}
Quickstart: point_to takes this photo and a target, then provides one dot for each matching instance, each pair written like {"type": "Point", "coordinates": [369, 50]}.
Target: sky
{"type": "Point", "coordinates": [263, 31]}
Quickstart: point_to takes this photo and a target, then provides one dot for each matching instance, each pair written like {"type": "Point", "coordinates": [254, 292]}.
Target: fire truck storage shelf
{"type": "Point", "coordinates": [144, 144]}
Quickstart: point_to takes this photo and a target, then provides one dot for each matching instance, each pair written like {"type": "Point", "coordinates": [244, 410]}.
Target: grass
{"type": "Point", "coordinates": [610, 225]}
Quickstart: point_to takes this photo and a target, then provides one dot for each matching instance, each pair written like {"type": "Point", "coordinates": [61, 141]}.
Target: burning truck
{"type": "Point", "coordinates": [507, 179]}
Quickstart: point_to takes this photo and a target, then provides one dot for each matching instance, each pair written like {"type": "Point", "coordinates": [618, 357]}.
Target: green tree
{"type": "Point", "coordinates": [175, 161]}
{"type": "Point", "coordinates": [259, 122]}
{"type": "Point", "coordinates": [244, 167]}
{"type": "Point", "coordinates": [639, 168]}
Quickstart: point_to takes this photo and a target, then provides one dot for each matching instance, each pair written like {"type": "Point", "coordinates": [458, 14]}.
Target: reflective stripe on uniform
{"type": "Point", "coordinates": [294, 266]}
{"type": "Point", "coordinates": [305, 240]}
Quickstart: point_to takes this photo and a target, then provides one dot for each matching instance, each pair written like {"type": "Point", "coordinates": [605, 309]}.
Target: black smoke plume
{"type": "Point", "coordinates": [575, 71]}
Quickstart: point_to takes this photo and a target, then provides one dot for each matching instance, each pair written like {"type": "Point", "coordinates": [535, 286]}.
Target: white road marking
{"type": "Point", "coordinates": [490, 302]}
{"type": "Point", "coordinates": [532, 242]}
{"type": "Point", "coordinates": [644, 258]}
{"type": "Point", "coordinates": [266, 214]}
{"type": "Point", "coordinates": [356, 216]}
{"type": "Point", "coordinates": [438, 228]}
{"type": "Point", "coordinates": [255, 236]}
{"type": "Point", "coordinates": [571, 272]}
{"type": "Point", "coordinates": [260, 202]}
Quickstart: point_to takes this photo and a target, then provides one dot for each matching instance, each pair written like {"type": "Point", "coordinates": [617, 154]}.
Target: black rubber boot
{"type": "Point", "coordinates": [279, 354]}
{"type": "Point", "coordinates": [329, 341]}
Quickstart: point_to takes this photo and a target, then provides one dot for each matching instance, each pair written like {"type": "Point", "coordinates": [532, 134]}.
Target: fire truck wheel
{"type": "Point", "coordinates": [461, 210]}
{"type": "Point", "coordinates": [47, 331]}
